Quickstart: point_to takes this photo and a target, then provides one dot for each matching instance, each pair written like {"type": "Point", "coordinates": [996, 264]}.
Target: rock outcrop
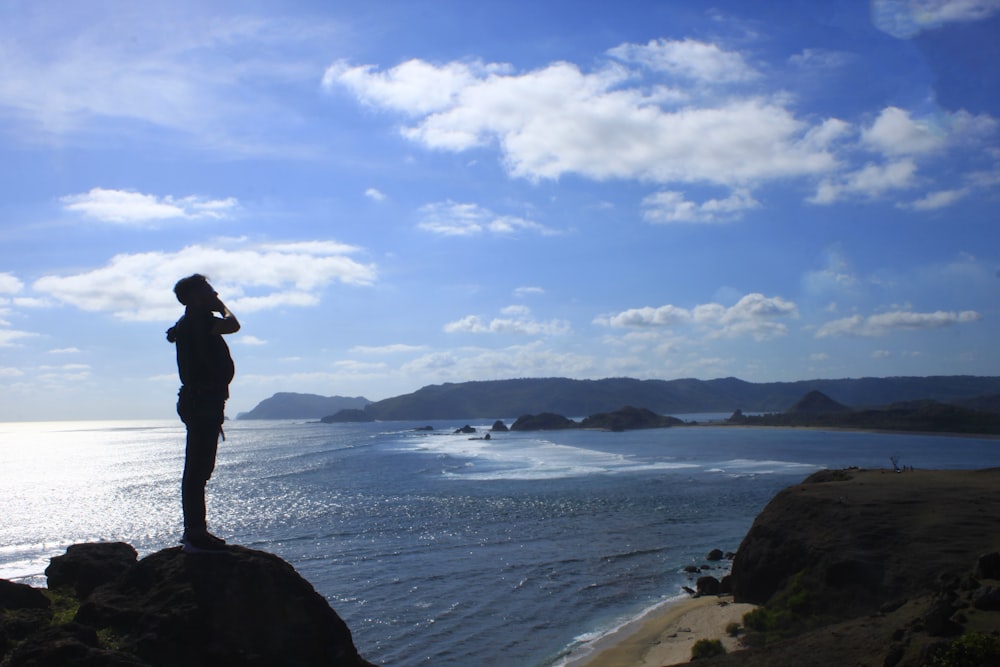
{"type": "Point", "coordinates": [238, 607]}
{"type": "Point", "coordinates": [629, 418]}
{"type": "Point", "coordinates": [872, 567]}
{"type": "Point", "coordinates": [546, 421]}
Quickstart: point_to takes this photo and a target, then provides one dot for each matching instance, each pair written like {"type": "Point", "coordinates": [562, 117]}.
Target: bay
{"type": "Point", "coordinates": [435, 548]}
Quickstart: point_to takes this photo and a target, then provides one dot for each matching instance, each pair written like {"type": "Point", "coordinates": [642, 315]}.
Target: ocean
{"type": "Point", "coordinates": [435, 548]}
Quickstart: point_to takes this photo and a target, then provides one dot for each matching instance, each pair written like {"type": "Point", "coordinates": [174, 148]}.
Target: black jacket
{"type": "Point", "coordinates": [203, 359]}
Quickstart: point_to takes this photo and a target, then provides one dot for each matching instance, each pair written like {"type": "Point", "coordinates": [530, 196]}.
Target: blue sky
{"type": "Point", "coordinates": [397, 194]}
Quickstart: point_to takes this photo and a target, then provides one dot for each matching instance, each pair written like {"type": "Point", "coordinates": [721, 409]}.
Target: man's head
{"type": "Point", "coordinates": [193, 289]}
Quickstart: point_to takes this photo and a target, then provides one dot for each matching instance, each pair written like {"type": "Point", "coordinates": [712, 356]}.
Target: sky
{"type": "Point", "coordinates": [395, 194]}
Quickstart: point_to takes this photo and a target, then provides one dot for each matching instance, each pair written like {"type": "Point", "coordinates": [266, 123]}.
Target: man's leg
{"type": "Point", "coordinates": [199, 462]}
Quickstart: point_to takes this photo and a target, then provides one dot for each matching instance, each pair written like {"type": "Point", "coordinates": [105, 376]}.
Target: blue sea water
{"type": "Point", "coordinates": [435, 548]}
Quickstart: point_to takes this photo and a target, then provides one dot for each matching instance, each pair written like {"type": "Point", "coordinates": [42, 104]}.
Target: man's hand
{"type": "Point", "coordinates": [228, 324]}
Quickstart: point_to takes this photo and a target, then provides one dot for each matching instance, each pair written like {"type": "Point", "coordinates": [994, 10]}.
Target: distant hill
{"type": "Point", "coordinates": [288, 405]}
{"type": "Point", "coordinates": [816, 402]}
{"type": "Point", "coordinates": [577, 398]}
{"type": "Point", "coordinates": [915, 415]}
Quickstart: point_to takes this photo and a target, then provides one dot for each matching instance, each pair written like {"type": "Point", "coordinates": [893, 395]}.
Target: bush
{"type": "Point", "coordinates": [733, 629]}
{"type": "Point", "coordinates": [970, 650]}
{"type": "Point", "coordinates": [707, 648]}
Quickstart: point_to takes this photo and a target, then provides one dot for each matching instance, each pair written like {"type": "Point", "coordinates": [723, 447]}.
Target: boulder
{"type": "Point", "coordinates": [986, 598]}
{"type": "Point", "coordinates": [715, 555]}
{"type": "Point", "coordinates": [235, 607]}
{"type": "Point", "coordinates": [84, 567]}
{"type": "Point", "coordinates": [465, 429]}
{"type": "Point", "coordinates": [988, 566]}
{"type": "Point", "coordinates": [23, 611]}
{"type": "Point", "coordinates": [707, 585]}
{"type": "Point", "coordinates": [499, 427]}
{"type": "Point", "coordinates": [21, 596]}
{"type": "Point", "coordinates": [68, 645]}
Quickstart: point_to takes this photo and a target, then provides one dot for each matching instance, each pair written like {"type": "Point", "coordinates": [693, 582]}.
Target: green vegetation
{"type": "Point", "coordinates": [707, 648]}
{"type": "Point", "coordinates": [790, 612]}
{"type": "Point", "coordinates": [970, 650]}
{"type": "Point", "coordinates": [64, 605]}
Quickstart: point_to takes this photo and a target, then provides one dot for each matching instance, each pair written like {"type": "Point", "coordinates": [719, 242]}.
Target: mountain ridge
{"type": "Point", "coordinates": [490, 399]}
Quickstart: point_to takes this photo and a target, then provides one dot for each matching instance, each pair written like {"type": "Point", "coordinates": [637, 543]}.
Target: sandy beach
{"type": "Point", "coordinates": [666, 636]}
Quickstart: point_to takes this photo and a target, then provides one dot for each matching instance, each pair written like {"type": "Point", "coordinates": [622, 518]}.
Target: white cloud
{"type": "Point", "coordinates": [454, 219]}
{"type": "Point", "coordinates": [530, 360]}
{"type": "Point", "coordinates": [250, 340]}
{"type": "Point", "coordinates": [519, 322]}
{"type": "Point", "coordinates": [522, 292]}
{"type": "Point", "coordinates": [202, 76]}
{"type": "Point", "coordinates": [885, 323]}
{"type": "Point", "coordinates": [139, 286]}
{"type": "Point", "coordinates": [121, 206]}
{"type": "Point", "coordinates": [557, 120]}
{"type": "Point", "coordinates": [816, 59]}
{"type": "Point", "coordinates": [648, 316]}
{"type": "Point", "coordinates": [688, 58]}
{"type": "Point", "coordinates": [670, 206]}
{"type": "Point", "coordinates": [415, 86]}
{"type": "Point", "coordinates": [9, 337]}
{"type": "Point", "coordinates": [896, 132]}
{"type": "Point", "coordinates": [9, 284]}
{"type": "Point", "coordinates": [395, 348]}
{"type": "Point", "coordinates": [908, 18]}
{"type": "Point", "coordinates": [375, 194]}
{"type": "Point", "coordinates": [870, 181]}
{"type": "Point", "coordinates": [938, 199]}
{"type": "Point", "coordinates": [754, 315]}
{"type": "Point", "coordinates": [65, 350]}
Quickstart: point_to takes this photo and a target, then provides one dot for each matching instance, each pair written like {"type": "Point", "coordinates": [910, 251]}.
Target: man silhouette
{"type": "Point", "coordinates": [206, 369]}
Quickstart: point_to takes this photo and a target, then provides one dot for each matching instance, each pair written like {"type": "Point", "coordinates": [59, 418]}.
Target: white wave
{"type": "Point", "coordinates": [519, 458]}
{"type": "Point", "coordinates": [761, 467]}
{"type": "Point", "coordinates": [588, 644]}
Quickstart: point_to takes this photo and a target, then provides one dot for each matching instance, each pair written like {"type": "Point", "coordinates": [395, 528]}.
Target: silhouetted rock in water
{"type": "Point", "coordinates": [465, 429]}
{"type": "Point", "coordinates": [499, 427]}
{"type": "Point", "coordinates": [628, 419]}
{"type": "Point", "coordinates": [546, 421]}
{"type": "Point", "coordinates": [238, 607]}
{"type": "Point", "coordinates": [348, 416]}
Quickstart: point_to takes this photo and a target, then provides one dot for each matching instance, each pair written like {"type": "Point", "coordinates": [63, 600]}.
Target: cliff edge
{"type": "Point", "coordinates": [239, 607]}
{"type": "Point", "coordinates": [873, 567]}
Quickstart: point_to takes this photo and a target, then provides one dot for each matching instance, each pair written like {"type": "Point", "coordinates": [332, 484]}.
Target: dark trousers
{"type": "Point", "coordinates": [203, 414]}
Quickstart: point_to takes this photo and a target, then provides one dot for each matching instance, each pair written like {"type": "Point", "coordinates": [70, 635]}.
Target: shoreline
{"type": "Point", "coordinates": [665, 634]}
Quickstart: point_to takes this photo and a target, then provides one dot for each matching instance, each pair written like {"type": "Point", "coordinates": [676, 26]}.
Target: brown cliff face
{"type": "Point", "coordinates": [238, 607]}
{"type": "Point", "coordinates": [873, 567]}
{"type": "Point", "coordinates": [869, 536]}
